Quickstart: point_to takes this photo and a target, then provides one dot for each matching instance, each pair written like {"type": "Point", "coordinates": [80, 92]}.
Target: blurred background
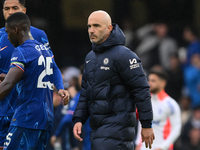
{"type": "Point", "coordinates": [65, 21]}
{"type": "Point", "coordinates": [163, 33]}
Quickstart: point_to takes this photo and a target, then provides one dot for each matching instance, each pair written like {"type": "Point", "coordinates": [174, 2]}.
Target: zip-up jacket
{"type": "Point", "coordinates": [113, 84]}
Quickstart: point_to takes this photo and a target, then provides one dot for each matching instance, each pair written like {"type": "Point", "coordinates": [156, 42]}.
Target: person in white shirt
{"type": "Point", "coordinates": [166, 114]}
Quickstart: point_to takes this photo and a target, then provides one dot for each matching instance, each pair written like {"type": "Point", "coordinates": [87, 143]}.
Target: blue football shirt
{"type": "Point", "coordinates": [9, 103]}
{"type": "Point", "coordinates": [35, 89]}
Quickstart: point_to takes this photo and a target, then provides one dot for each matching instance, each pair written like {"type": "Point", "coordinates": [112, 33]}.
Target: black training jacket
{"type": "Point", "coordinates": [113, 84]}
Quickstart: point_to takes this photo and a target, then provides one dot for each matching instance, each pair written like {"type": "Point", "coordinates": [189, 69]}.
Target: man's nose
{"type": "Point", "coordinates": [91, 29]}
{"type": "Point", "coordinates": [11, 11]}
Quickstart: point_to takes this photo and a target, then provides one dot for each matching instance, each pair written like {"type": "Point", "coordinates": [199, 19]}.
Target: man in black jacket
{"type": "Point", "coordinates": [113, 84]}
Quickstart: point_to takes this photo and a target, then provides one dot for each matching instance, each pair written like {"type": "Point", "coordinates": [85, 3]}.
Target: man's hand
{"type": "Point", "coordinates": [53, 140]}
{"type": "Point", "coordinates": [2, 76]}
{"type": "Point", "coordinates": [147, 136]}
{"type": "Point", "coordinates": [137, 147]}
{"type": "Point", "coordinates": [64, 94]}
{"type": "Point", "coordinates": [77, 131]}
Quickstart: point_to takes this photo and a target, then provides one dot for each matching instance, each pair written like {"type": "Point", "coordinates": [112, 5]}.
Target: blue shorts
{"type": "Point", "coordinates": [26, 139]}
{"type": "Point", "coordinates": [4, 126]}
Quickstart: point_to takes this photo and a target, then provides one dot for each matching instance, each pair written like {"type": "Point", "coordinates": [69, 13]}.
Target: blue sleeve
{"type": "Point", "coordinates": [65, 120]}
{"type": "Point", "coordinates": [18, 60]}
{"type": "Point", "coordinates": [57, 76]}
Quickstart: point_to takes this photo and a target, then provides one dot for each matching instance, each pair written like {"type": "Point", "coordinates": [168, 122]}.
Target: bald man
{"type": "Point", "coordinates": [113, 85]}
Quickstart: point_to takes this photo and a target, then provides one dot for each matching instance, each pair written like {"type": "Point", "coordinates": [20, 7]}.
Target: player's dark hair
{"type": "Point", "coordinates": [22, 2]}
{"type": "Point", "coordinates": [19, 19]}
{"type": "Point", "coordinates": [161, 73]}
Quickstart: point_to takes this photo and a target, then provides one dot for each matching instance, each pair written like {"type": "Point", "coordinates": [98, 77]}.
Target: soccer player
{"type": "Point", "coordinates": [9, 103]}
{"type": "Point", "coordinates": [166, 113]}
{"type": "Point", "coordinates": [32, 70]}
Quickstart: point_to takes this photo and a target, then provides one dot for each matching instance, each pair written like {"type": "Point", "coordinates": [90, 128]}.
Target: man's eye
{"type": "Point", "coordinates": [15, 8]}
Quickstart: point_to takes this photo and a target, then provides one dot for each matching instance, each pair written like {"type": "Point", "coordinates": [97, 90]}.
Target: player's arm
{"type": "Point", "coordinates": [175, 120]}
{"type": "Point", "coordinates": [57, 76]}
{"type": "Point", "coordinates": [13, 76]}
{"type": "Point", "coordinates": [2, 77]}
{"type": "Point", "coordinates": [58, 82]}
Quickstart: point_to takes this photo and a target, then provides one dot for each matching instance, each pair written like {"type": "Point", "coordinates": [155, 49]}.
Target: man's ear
{"type": "Point", "coordinates": [24, 9]}
{"type": "Point", "coordinates": [110, 27]}
{"type": "Point", "coordinates": [16, 30]}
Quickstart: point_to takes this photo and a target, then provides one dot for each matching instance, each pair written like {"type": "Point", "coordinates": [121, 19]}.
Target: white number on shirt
{"type": "Point", "coordinates": [8, 138]}
{"type": "Point", "coordinates": [48, 71]}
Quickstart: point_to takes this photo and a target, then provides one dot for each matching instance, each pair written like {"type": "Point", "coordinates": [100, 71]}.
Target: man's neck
{"type": "Point", "coordinates": [26, 36]}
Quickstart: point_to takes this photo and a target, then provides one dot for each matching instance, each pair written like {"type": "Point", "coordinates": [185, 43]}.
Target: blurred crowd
{"type": "Point", "coordinates": [156, 48]}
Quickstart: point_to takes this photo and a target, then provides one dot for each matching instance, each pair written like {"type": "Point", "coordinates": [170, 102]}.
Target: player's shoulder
{"type": "Point", "coordinates": [172, 103]}
{"type": "Point", "coordinates": [170, 99]}
{"type": "Point", "coordinates": [31, 45]}
{"type": "Point", "coordinates": [37, 32]}
{"type": "Point", "coordinates": [34, 29]}
{"type": "Point", "coordinates": [2, 31]}
{"type": "Point", "coordinates": [40, 36]}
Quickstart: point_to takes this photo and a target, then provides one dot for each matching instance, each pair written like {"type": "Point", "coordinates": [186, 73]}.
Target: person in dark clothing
{"type": "Point", "coordinates": [113, 85]}
{"type": "Point", "coordinates": [190, 35]}
{"type": "Point", "coordinates": [175, 83]}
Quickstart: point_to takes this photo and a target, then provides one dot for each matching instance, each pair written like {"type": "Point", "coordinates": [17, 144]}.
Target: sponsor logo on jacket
{"type": "Point", "coordinates": [105, 68]}
{"type": "Point", "coordinates": [105, 62]}
{"type": "Point", "coordinates": [133, 63]}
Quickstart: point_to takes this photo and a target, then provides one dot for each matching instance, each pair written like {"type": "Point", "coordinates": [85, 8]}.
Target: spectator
{"type": "Point", "coordinates": [66, 122]}
{"type": "Point", "coordinates": [190, 35]}
{"type": "Point", "coordinates": [186, 111]}
{"type": "Point", "coordinates": [175, 83]}
{"type": "Point", "coordinates": [186, 114]}
{"type": "Point", "coordinates": [194, 140]}
{"type": "Point", "coordinates": [128, 32]}
{"type": "Point", "coordinates": [158, 46]}
{"type": "Point", "coordinates": [193, 123]}
{"type": "Point", "coordinates": [192, 79]}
